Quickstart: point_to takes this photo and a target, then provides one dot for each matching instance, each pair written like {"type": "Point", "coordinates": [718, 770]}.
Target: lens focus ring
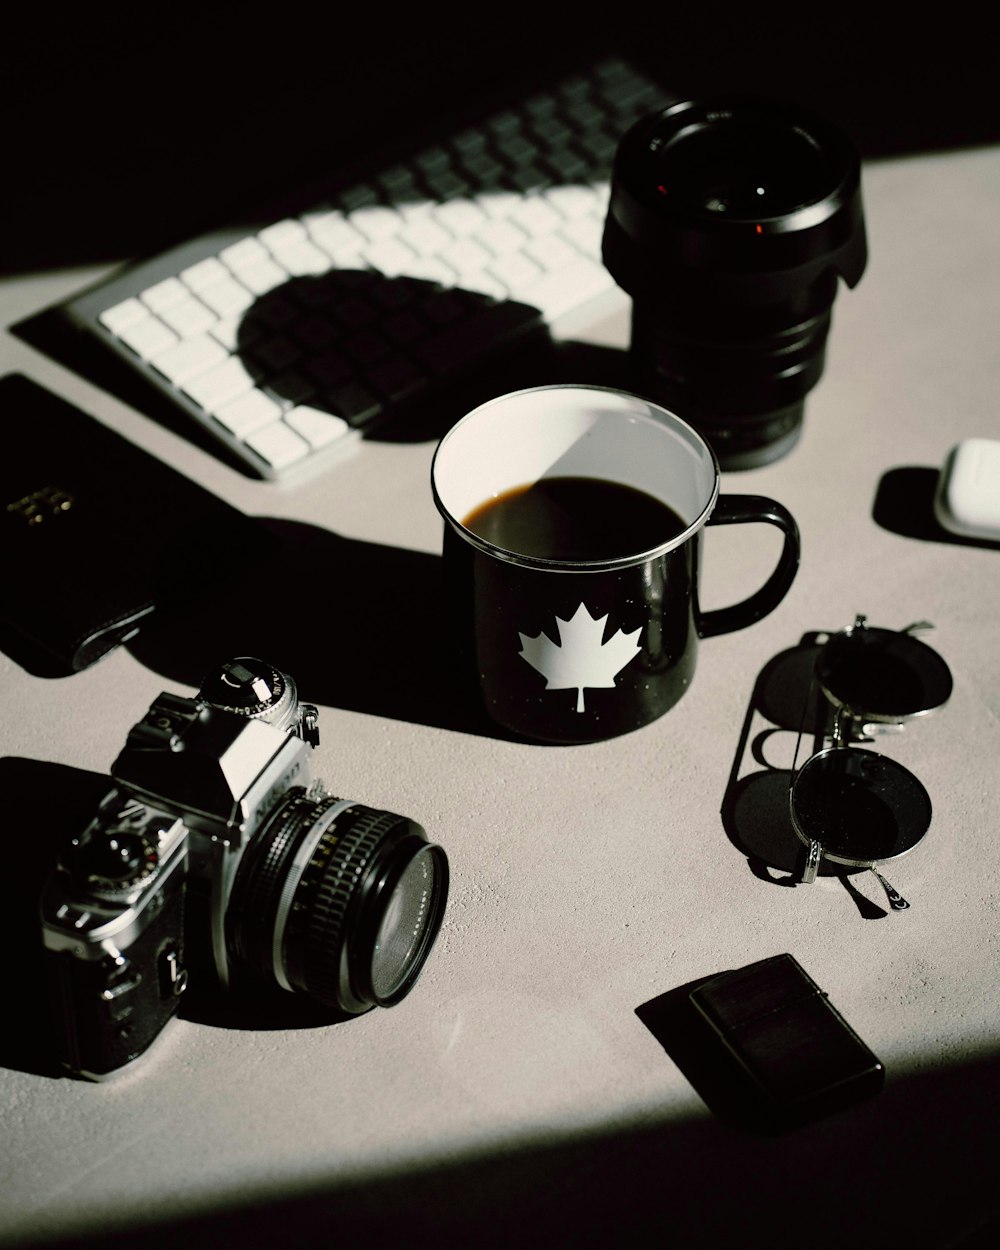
{"type": "Point", "coordinates": [318, 924]}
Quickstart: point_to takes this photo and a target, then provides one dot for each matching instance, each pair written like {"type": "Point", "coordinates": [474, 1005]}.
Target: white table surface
{"type": "Point", "coordinates": [515, 1097]}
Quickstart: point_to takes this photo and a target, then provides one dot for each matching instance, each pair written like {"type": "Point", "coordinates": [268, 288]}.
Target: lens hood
{"type": "Point", "coordinates": [745, 198]}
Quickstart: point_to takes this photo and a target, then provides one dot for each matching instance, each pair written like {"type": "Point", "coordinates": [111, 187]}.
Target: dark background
{"type": "Point", "coordinates": [128, 130]}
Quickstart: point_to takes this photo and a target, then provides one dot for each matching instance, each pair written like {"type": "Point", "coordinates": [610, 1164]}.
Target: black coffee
{"type": "Point", "coordinates": [575, 518]}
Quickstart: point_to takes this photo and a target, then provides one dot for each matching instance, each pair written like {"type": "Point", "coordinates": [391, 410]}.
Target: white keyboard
{"type": "Point", "coordinates": [289, 341]}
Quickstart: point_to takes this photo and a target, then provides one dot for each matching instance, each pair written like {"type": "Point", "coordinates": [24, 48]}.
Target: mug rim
{"type": "Point", "coordinates": [580, 566]}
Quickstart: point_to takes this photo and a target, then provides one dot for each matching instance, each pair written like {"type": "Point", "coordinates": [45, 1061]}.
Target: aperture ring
{"type": "Point", "coordinates": [324, 814]}
{"type": "Point", "coordinates": [255, 887]}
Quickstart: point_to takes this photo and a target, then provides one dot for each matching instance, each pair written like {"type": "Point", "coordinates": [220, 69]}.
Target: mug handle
{"type": "Point", "coordinates": [734, 510]}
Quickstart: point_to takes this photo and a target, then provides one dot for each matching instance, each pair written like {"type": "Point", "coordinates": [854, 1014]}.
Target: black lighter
{"type": "Point", "coordinates": [801, 1056]}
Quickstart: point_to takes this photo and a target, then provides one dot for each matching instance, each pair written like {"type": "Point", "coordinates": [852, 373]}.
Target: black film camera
{"type": "Point", "coordinates": [214, 852]}
{"type": "Point", "coordinates": [729, 224]}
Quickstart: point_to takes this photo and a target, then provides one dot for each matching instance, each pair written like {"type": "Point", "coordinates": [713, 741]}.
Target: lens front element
{"type": "Point", "coordinates": [745, 166]}
{"type": "Point", "coordinates": [404, 922]}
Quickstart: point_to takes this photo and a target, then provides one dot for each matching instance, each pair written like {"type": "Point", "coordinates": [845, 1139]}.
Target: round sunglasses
{"type": "Point", "coordinates": [850, 805]}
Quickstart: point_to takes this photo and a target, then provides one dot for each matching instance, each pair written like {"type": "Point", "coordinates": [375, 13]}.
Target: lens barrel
{"type": "Point", "coordinates": [337, 901]}
{"type": "Point", "coordinates": [729, 224]}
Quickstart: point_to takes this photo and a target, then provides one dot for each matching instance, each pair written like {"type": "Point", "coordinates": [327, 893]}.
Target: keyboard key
{"type": "Point", "coordinates": [396, 378]}
{"type": "Point", "coordinates": [433, 271]}
{"type": "Point", "coordinates": [246, 252]}
{"type": "Point", "coordinates": [292, 386]}
{"type": "Point", "coordinates": [390, 257]}
{"type": "Point", "coordinates": [248, 413]}
{"type": "Point", "coordinates": [188, 317]}
{"type": "Point", "coordinates": [376, 222]}
{"type": "Point", "coordinates": [228, 297]}
{"type": "Point", "coordinates": [566, 288]}
{"type": "Point", "coordinates": [447, 184]}
{"type": "Point", "coordinates": [318, 428]}
{"type": "Point", "coordinates": [216, 387]}
{"type": "Point", "coordinates": [423, 235]}
{"type": "Point", "coordinates": [573, 202]}
{"type": "Point", "coordinates": [315, 332]}
{"type": "Point", "coordinates": [460, 217]}
{"type": "Point", "coordinates": [354, 402]}
{"type": "Point", "coordinates": [301, 258]}
{"type": "Point", "coordinates": [147, 338]}
{"type": "Point", "coordinates": [483, 169]}
{"type": "Point", "coordinates": [282, 234]}
{"type": "Point", "coordinates": [551, 252]}
{"type": "Point", "coordinates": [585, 234]}
{"type": "Point", "coordinates": [445, 351]}
{"type": "Point", "coordinates": [515, 270]}
{"type": "Point", "coordinates": [235, 333]}
{"type": "Point", "coordinates": [188, 358]}
{"type": "Point", "coordinates": [483, 283]}
{"type": "Point", "coordinates": [275, 353]}
{"type": "Point", "coordinates": [206, 273]}
{"type": "Point", "coordinates": [262, 276]}
{"type": "Point", "coordinates": [335, 235]}
{"type": "Point", "coordinates": [278, 445]}
{"type": "Point", "coordinates": [466, 256]}
{"type": "Point", "coordinates": [501, 237]}
{"type": "Point", "coordinates": [128, 313]}
{"type": "Point", "coordinates": [405, 327]}
{"type": "Point", "coordinates": [164, 295]}
{"type": "Point", "coordinates": [535, 216]}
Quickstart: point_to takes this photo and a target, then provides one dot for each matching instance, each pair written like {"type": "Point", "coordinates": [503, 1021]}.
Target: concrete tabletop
{"type": "Point", "coordinates": [533, 1089]}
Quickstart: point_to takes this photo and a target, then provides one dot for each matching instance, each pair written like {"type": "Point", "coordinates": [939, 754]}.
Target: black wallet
{"type": "Point", "coordinates": [97, 533]}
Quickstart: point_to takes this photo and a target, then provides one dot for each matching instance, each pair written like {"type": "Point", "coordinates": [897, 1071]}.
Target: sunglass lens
{"type": "Point", "coordinates": [860, 807]}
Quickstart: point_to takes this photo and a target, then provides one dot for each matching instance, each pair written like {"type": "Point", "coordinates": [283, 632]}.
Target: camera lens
{"type": "Point", "coordinates": [337, 901]}
{"type": "Point", "coordinates": [729, 224]}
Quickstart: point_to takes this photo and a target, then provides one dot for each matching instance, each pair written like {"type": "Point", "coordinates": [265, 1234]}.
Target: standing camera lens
{"type": "Point", "coordinates": [337, 901]}
{"type": "Point", "coordinates": [728, 225]}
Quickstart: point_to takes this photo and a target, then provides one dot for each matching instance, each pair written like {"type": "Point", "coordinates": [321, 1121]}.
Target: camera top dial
{"type": "Point", "coordinates": [248, 687]}
{"type": "Point", "coordinates": [259, 691]}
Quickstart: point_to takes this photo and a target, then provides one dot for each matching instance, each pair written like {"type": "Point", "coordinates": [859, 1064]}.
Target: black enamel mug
{"type": "Point", "coordinates": [581, 648]}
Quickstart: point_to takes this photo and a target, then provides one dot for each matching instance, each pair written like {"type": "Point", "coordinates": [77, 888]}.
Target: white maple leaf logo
{"type": "Point", "coordinates": [580, 660]}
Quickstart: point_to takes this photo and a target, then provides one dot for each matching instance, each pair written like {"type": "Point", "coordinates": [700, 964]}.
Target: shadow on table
{"type": "Point", "coordinates": [755, 806]}
{"type": "Point", "coordinates": [872, 1175]}
{"type": "Point", "coordinates": [359, 626]}
{"type": "Point", "coordinates": [904, 504]}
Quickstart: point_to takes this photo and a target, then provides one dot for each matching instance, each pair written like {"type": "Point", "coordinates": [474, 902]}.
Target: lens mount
{"type": "Point", "coordinates": [337, 901]}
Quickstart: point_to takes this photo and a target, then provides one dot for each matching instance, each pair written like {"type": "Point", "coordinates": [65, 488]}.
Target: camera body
{"type": "Point", "coordinates": [214, 856]}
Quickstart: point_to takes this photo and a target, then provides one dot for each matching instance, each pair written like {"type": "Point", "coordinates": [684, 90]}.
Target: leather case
{"type": "Point", "coordinates": [97, 533]}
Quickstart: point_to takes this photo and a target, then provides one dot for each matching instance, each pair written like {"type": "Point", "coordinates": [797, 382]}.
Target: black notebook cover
{"type": "Point", "coordinates": [97, 533]}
